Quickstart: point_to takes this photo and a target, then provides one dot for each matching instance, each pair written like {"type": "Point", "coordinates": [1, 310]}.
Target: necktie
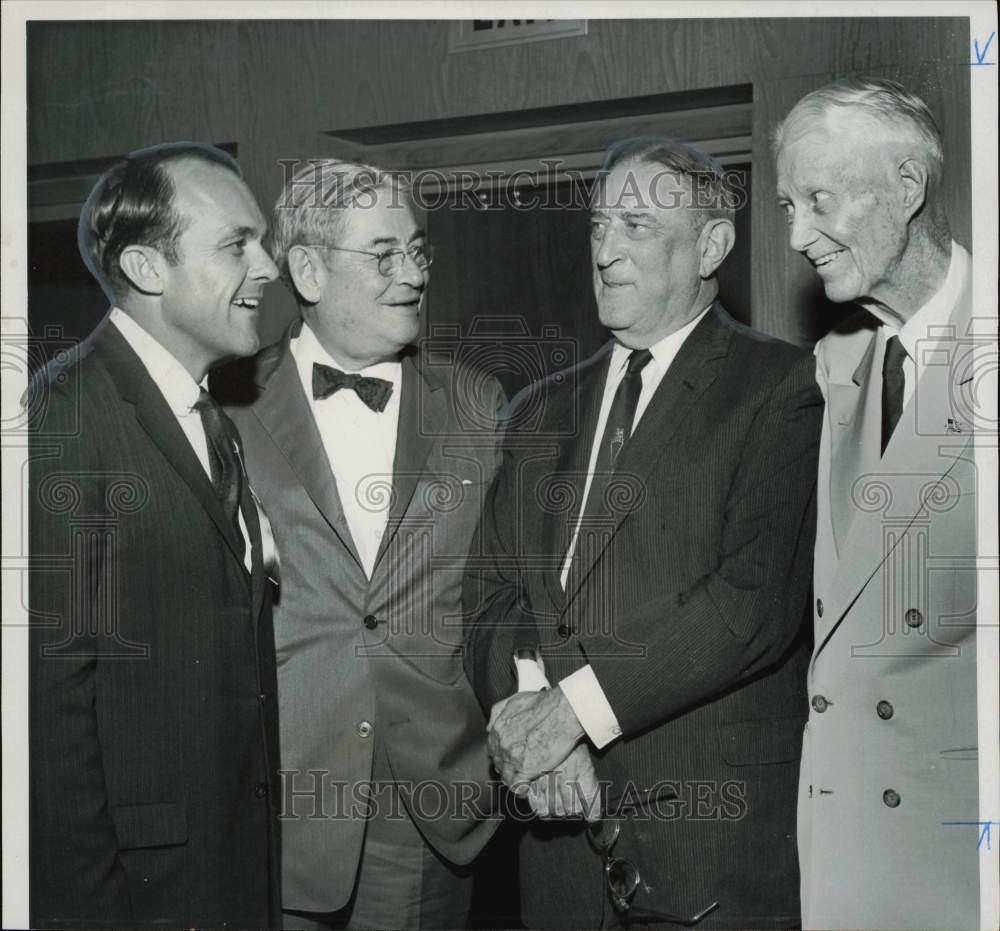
{"type": "Point", "coordinates": [893, 383]}
{"type": "Point", "coordinates": [374, 392]}
{"type": "Point", "coordinates": [616, 431]}
{"type": "Point", "coordinates": [622, 413]}
{"type": "Point", "coordinates": [224, 460]}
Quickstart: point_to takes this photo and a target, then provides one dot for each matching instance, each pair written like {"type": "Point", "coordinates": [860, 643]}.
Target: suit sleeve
{"type": "Point", "coordinates": [498, 620]}
{"type": "Point", "coordinates": [739, 619]}
{"type": "Point", "coordinates": [76, 876]}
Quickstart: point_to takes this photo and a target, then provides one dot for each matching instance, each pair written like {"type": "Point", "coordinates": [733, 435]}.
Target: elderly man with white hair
{"type": "Point", "coordinates": [371, 458]}
{"type": "Point", "coordinates": [889, 779]}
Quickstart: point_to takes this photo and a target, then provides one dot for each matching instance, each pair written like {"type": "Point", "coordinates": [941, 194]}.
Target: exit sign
{"type": "Point", "coordinates": [470, 34]}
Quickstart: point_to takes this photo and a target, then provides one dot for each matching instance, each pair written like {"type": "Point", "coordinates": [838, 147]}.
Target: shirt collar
{"type": "Point", "coordinates": [178, 388]}
{"type": "Point", "coordinates": [925, 324]}
{"type": "Point", "coordinates": [663, 351]}
{"type": "Point", "coordinates": [307, 349]}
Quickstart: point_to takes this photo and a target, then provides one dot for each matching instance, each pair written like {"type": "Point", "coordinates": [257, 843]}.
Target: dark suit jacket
{"type": "Point", "coordinates": [153, 721]}
{"type": "Point", "coordinates": [687, 601]}
{"type": "Point", "coordinates": [387, 701]}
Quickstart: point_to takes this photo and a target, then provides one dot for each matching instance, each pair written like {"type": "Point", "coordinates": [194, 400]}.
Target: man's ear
{"type": "Point", "coordinates": [308, 273]}
{"type": "Point", "coordinates": [716, 241]}
{"type": "Point", "coordinates": [915, 178]}
{"type": "Point", "coordinates": [143, 267]}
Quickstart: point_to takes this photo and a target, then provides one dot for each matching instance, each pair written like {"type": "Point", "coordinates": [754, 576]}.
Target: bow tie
{"type": "Point", "coordinates": [374, 392]}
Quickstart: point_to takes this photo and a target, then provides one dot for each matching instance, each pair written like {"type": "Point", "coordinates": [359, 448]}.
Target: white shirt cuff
{"type": "Point", "coordinates": [589, 704]}
{"type": "Point", "coordinates": [530, 674]}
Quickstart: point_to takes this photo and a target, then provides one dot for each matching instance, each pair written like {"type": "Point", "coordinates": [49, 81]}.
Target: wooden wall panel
{"type": "Point", "coordinates": [98, 89]}
{"type": "Point", "coordinates": [787, 297]}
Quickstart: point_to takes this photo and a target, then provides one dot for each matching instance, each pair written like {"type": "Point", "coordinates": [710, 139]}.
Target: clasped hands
{"type": "Point", "coordinates": [535, 742]}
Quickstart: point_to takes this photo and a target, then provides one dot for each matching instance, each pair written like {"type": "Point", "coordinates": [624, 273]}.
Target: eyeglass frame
{"type": "Point", "coordinates": [427, 248]}
{"type": "Point", "coordinates": [622, 904]}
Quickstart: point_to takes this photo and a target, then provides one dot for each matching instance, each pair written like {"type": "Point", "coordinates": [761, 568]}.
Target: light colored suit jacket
{"type": "Point", "coordinates": [373, 664]}
{"type": "Point", "coordinates": [889, 759]}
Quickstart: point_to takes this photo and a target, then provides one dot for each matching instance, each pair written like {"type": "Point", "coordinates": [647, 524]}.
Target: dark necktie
{"type": "Point", "coordinates": [374, 392]}
{"type": "Point", "coordinates": [622, 413]}
{"type": "Point", "coordinates": [893, 383]}
{"type": "Point", "coordinates": [224, 459]}
{"type": "Point", "coordinates": [616, 432]}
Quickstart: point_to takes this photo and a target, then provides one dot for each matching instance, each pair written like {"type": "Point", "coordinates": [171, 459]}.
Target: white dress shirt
{"type": "Point", "coordinates": [581, 688]}
{"type": "Point", "coordinates": [360, 443]}
{"type": "Point", "coordinates": [926, 328]}
{"type": "Point", "coordinates": [179, 390]}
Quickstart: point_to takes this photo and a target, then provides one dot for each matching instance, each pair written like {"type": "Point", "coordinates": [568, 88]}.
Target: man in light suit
{"type": "Point", "coordinates": [371, 459]}
{"type": "Point", "coordinates": [889, 755]}
{"type": "Point", "coordinates": [650, 533]}
{"type": "Point", "coordinates": [153, 724]}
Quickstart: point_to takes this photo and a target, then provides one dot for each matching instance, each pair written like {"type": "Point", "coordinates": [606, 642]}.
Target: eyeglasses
{"type": "Point", "coordinates": [391, 261]}
{"type": "Point", "coordinates": [622, 879]}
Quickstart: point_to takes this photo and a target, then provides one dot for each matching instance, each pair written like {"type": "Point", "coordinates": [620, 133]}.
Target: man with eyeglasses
{"type": "Point", "coordinates": [649, 535]}
{"type": "Point", "coordinates": [371, 460]}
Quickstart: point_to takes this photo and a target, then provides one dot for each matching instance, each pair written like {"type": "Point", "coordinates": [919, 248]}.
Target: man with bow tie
{"type": "Point", "coordinates": [371, 462]}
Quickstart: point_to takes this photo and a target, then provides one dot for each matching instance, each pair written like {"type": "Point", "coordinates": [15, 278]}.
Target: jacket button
{"type": "Point", "coordinates": [819, 607]}
{"type": "Point", "coordinates": [371, 622]}
{"type": "Point", "coordinates": [262, 698]}
{"type": "Point", "coordinates": [891, 798]}
{"type": "Point", "coordinates": [913, 618]}
{"type": "Point", "coordinates": [260, 790]}
{"type": "Point", "coordinates": [884, 710]}
{"type": "Point", "coordinates": [563, 631]}
{"type": "Point", "coordinates": [365, 729]}
{"type": "Point", "coordinates": [820, 704]}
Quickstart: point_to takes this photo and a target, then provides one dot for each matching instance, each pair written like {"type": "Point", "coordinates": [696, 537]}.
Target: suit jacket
{"type": "Point", "coordinates": [890, 751]}
{"type": "Point", "coordinates": [687, 602]}
{"type": "Point", "coordinates": [347, 688]}
{"type": "Point", "coordinates": [153, 725]}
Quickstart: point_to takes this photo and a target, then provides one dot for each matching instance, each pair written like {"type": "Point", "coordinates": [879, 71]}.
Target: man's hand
{"type": "Point", "coordinates": [532, 734]}
{"type": "Point", "coordinates": [570, 791]}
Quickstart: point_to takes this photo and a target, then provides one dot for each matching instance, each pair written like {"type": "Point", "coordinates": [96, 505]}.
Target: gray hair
{"type": "Point", "coordinates": [710, 192]}
{"type": "Point", "coordinates": [310, 209]}
{"type": "Point", "coordinates": [885, 102]}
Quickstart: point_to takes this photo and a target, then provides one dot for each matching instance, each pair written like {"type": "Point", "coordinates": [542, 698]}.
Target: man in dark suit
{"type": "Point", "coordinates": [372, 459]}
{"type": "Point", "coordinates": [153, 727]}
{"type": "Point", "coordinates": [649, 534]}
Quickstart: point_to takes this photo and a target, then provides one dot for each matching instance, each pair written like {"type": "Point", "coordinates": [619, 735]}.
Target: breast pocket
{"type": "Point", "coordinates": [449, 502]}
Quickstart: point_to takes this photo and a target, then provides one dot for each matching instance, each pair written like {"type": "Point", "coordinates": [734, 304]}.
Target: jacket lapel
{"type": "Point", "coordinates": [691, 372]}
{"type": "Point", "coordinates": [855, 417]}
{"type": "Point", "coordinates": [155, 417]}
{"type": "Point", "coordinates": [423, 412]}
{"type": "Point", "coordinates": [890, 492]}
{"type": "Point", "coordinates": [283, 410]}
{"type": "Point", "coordinates": [586, 390]}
